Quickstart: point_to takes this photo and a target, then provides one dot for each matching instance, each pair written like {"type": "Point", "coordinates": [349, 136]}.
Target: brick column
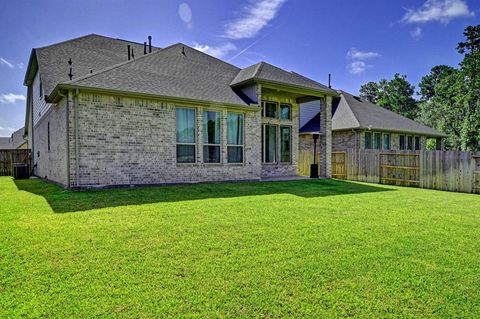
{"type": "Point", "coordinates": [326, 138]}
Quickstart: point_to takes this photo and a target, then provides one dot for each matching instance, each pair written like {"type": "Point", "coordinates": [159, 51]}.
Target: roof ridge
{"type": "Point", "coordinates": [258, 68]}
{"type": "Point", "coordinates": [211, 56]}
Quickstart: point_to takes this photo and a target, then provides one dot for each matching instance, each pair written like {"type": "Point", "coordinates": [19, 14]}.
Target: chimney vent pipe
{"type": "Point", "coordinates": [149, 44]}
{"type": "Point", "coordinates": [128, 49]}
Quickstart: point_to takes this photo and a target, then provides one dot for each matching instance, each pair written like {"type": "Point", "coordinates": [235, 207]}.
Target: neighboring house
{"type": "Point", "coordinates": [96, 116]}
{"type": "Point", "coordinates": [357, 123]}
{"type": "Point", "coordinates": [15, 141]}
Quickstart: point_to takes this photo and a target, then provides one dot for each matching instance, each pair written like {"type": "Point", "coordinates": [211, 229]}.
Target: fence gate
{"type": "Point", "coordinates": [400, 169]}
{"type": "Point", "coordinates": [339, 165]}
{"type": "Point", "coordinates": [10, 157]}
{"type": "Point", "coordinates": [476, 174]}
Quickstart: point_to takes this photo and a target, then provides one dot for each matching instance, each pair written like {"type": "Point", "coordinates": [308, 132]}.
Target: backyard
{"type": "Point", "coordinates": [308, 248]}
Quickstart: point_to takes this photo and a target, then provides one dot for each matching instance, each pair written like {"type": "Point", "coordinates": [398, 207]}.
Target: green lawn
{"type": "Point", "coordinates": [305, 248]}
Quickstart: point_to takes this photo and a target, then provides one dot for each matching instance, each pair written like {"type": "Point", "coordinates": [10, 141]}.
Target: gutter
{"type": "Point", "coordinates": [67, 128]}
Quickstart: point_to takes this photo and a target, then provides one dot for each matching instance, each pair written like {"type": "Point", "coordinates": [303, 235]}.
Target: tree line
{"type": "Point", "coordinates": [448, 97]}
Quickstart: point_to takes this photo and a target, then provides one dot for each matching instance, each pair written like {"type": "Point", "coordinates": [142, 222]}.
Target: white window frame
{"type": "Point", "coordinates": [236, 145]}
{"type": "Point", "coordinates": [203, 136]}
{"type": "Point", "coordinates": [194, 144]}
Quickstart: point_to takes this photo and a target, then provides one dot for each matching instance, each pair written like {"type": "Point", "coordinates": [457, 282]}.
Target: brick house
{"type": "Point", "coordinates": [359, 124]}
{"type": "Point", "coordinates": [103, 111]}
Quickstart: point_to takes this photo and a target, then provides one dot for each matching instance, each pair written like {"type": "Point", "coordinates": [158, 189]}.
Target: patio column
{"type": "Point", "coordinates": [326, 138]}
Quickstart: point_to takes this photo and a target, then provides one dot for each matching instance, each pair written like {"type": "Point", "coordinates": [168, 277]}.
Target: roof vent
{"type": "Point", "coordinates": [70, 75]}
{"type": "Point", "coordinates": [128, 49]}
{"type": "Point", "coordinates": [329, 80]}
{"type": "Point", "coordinates": [144, 48]}
{"type": "Point", "coordinates": [183, 50]}
{"type": "Point", "coordinates": [149, 44]}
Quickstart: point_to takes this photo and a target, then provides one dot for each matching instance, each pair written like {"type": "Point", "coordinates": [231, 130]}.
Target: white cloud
{"type": "Point", "coordinates": [254, 18]}
{"type": "Point", "coordinates": [5, 62]}
{"type": "Point", "coordinates": [438, 10]}
{"type": "Point", "coordinates": [354, 54]}
{"type": "Point", "coordinates": [10, 98]}
{"type": "Point", "coordinates": [416, 33]}
{"type": "Point", "coordinates": [6, 131]}
{"type": "Point", "coordinates": [216, 51]}
{"type": "Point", "coordinates": [357, 67]}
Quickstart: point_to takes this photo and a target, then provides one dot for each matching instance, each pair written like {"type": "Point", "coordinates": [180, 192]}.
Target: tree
{"type": "Point", "coordinates": [397, 96]}
{"type": "Point", "coordinates": [428, 82]}
{"type": "Point", "coordinates": [370, 92]}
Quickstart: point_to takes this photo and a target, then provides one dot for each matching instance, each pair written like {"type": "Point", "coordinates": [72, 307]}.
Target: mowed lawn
{"type": "Point", "coordinates": [310, 248]}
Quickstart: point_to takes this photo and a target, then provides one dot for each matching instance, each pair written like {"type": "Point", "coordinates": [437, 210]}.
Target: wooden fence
{"type": "Point", "coordinates": [9, 157]}
{"type": "Point", "coordinates": [444, 170]}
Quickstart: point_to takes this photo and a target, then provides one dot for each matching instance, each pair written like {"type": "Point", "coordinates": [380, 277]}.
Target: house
{"type": "Point", "coordinates": [15, 141]}
{"type": "Point", "coordinates": [104, 111]}
{"type": "Point", "coordinates": [357, 123]}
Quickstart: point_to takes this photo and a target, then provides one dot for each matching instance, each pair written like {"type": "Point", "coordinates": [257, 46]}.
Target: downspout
{"type": "Point", "coordinates": [30, 102]}
{"type": "Point", "coordinates": [67, 136]}
{"type": "Point", "coordinates": [77, 164]}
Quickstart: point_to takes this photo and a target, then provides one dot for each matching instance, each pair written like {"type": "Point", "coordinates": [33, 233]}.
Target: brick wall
{"type": "Point", "coordinates": [342, 140]}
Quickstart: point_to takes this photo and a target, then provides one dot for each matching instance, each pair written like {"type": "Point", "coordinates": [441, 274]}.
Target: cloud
{"type": "Point", "coordinates": [357, 67]}
{"type": "Point", "coordinates": [216, 51]}
{"type": "Point", "coordinates": [354, 54]}
{"type": "Point", "coordinates": [254, 18]}
{"type": "Point", "coordinates": [11, 98]}
{"type": "Point", "coordinates": [6, 131]}
{"type": "Point", "coordinates": [438, 10]}
{"type": "Point", "coordinates": [5, 62]}
{"type": "Point", "coordinates": [416, 33]}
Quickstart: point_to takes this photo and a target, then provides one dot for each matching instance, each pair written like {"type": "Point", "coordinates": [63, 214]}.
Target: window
{"type": "Point", "coordinates": [48, 136]}
{"type": "Point", "coordinates": [377, 141]}
{"type": "Point", "coordinates": [185, 135]}
{"type": "Point", "coordinates": [235, 137]}
{"type": "Point", "coordinates": [417, 143]}
{"type": "Point", "coordinates": [402, 142]}
{"type": "Point", "coordinates": [285, 144]}
{"type": "Point", "coordinates": [211, 137]}
{"type": "Point", "coordinates": [368, 140]}
{"type": "Point", "coordinates": [270, 109]}
{"type": "Point", "coordinates": [410, 143]}
{"type": "Point", "coordinates": [270, 144]}
{"type": "Point", "coordinates": [386, 141]}
{"type": "Point", "coordinates": [285, 112]}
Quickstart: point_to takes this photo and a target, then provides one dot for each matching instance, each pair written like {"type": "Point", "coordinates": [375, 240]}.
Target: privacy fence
{"type": "Point", "coordinates": [10, 157]}
{"type": "Point", "coordinates": [452, 171]}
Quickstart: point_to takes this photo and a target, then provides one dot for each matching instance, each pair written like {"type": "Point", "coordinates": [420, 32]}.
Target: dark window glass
{"type": "Point", "coordinates": [185, 121]}
{"type": "Point", "coordinates": [211, 154]}
{"type": "Point", "coordinates": [386, 141]}
{"type": "Point", "coordinates": [211, 137]}
{"type": "Point", "coordinates": [417, 143]}
{"type": "Point", "coordinates": [285, 144]}
{"type": "Point", "coordinates": [402, 142]}
{"type": "Point", "coordinates": [410, 143]}
{"type": "Point", "coordinates": [285, 111]}
{"type": "Point", "coordinates": [377, 141]}
{"type": "Point", "coordinates": [270, 109]}
{"type": "Point", "coordinates": [368, 140]}
{"type": "Point", "coordinates": [270, 144]}
{"type": "Point", "coordinates": [235, 123]}
{"type": "Point", "coordinates": [235, 154]}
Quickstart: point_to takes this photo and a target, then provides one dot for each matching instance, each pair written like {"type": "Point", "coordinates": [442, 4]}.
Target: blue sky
{"type": "Point", "coordinates": [356, 41]}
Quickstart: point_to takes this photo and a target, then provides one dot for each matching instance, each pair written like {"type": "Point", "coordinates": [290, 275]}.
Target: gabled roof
{"type": "Point", "coordinates": [266, 72]}
{"type": "Point", "coordinates": [351, 112]}
{"type": "Point", "coordinates": [5, 143]}
{"type": "Point", "coordinates": [91, 52]}
{"type": "Point", "coordinates": [178, 71]}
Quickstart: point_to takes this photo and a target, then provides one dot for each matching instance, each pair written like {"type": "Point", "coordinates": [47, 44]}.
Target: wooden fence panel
{"type": "Point", "coordinates": [305, 158]}
{"type": "Point", "coordinates": [10, 157]}
{"type": "Point", "coordinates": [339, 165]}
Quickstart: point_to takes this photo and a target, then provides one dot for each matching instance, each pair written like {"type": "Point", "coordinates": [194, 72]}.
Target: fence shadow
{"type": "Point", "coordinates": [66, 201]}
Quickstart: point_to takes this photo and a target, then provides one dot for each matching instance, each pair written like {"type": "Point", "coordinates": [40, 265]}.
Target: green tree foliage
{"type": "Point", "coordinates": [370, 92]}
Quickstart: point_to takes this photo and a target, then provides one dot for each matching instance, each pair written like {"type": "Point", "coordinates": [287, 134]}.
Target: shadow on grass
{"type": "Point", "coordinates": [65, 201]}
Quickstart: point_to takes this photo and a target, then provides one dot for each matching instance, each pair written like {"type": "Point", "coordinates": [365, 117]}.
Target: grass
{"type": "Point", "coordinates": [308, 248]}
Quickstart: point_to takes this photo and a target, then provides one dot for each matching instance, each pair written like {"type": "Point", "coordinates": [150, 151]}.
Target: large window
{"type": "Point", "coordinates": [285, 112]}
{"type": "Point", "coordinates": [285, 144]}
{"type": "Point", "coordinates": [417, 143]}
{"type": "Point", "coordinates": [211, 137]}
{"type": "Point", "coordinates": [270, 144]}
{"type": "Point", "coordinates": [386, 141]}
{"type": "Point", "coordinates": [368, 140]}
{"type": "Point", "coordinates": [410, 143]}
{"type": "Point", "coordinates": [377, 140]}
{"type": "Point", "coordinates": [235, 137]}
{"type": "Point", "coordinates": [185, 135]}
{"type": "Point", "coordinates": [402, 142]}
{"type": "Point", "coordinates": [270, 109]}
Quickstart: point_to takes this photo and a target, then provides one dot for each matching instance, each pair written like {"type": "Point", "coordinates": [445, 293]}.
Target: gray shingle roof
{"type": "Point", "coordinates": [178, 71]}
{"type": "Point", "coordinates": [351, 112]}
{"type": "Point", "coordinates": [5, 143]}
{"type": "Point", "coordinates": [91, 52]}
{"type": "Point", "coordinates": [270, 73]}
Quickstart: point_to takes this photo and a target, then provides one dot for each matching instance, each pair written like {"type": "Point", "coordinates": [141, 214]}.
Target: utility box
{"type": "Point", "coordinates": [20, 171]}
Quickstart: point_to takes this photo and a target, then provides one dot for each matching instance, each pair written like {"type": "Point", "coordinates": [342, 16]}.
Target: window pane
{"type": "Point", "coordinates": [235, 129]}
{"type": "Point", "coordinates": [377, 141]}
{"type": "Point", "coordinates": [185, 125]}
{"type": "Point", "coordinates": [410, 143]}
{"type": "Point", "coordinates": [285, 144]}
{"type": "Point", "coordinates": [270, 109]}
{"type": "Point", "coordinates": [270, 143]}
{"type": "Point", "coordinates": [211, 154]}
{"type": "Point", "coordinates": [211, 127]}
{"type": "Point", "coordinates": [402, 142]}
{"type": "Point", "coordinates": [368, 140]}
{"type": "Point", "coordinates": [417, 143]}
{"type": "Point", "coordinates": [386, 141]}
{"type": "Point", "coordinates": [235, 154]}
{"type": "Point", "coordinates": [285, 111]}
{"type": "Point", "coordinates": [185, 153]}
